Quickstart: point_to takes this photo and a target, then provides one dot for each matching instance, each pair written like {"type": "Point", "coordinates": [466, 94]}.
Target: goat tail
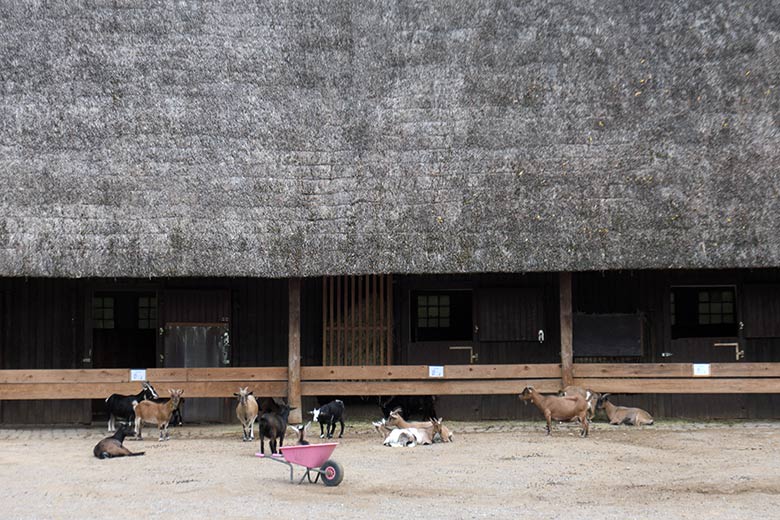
{"type": "Point", "coordinates": [136, 454]}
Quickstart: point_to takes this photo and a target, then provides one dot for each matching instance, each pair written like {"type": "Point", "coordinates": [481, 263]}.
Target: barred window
{"type": "Point", "coordinates": [103, 312]}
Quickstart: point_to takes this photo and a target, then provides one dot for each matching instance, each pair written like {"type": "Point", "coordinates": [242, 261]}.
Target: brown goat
{"type": "Point", "coordinates": [426, 428]}
{"type": "Point", "coordinates": [558, 408]}
{"type": "Point", "coordinates": [111, 447]}
{"type": "Point", "coordinates": [246, 411]}
{"type": "Point", "coordinates": [438, 427]}
{"type": "Point", "coordinates": [156, 413]}
{"type": "Point", "coordinates": [624, 414]}
{"type": "Point", "coordinates": [590, 397]}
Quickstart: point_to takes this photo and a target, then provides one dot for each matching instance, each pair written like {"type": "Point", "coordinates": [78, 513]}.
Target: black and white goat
{"type": "Point", "coordinates": [328, 415]}
{"type": "Point", "coordinates": [121, 406]}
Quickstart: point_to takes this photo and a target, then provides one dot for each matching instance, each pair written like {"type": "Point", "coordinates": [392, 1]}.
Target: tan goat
{"type": "Point", "coordinates": [156, 413]}
{"type": "Point", "coordinates": [246, 411]}
{"type": "Point", "coordinates": [624, 414]}
{"type": "Point", "coordinates": [558, 408]}
{"type": "Point", "coordinates": [438, 427]}
{"type": "Point", "coordinates": [590, 397]}
{"type": "Point", "coordinates": [425, 428]}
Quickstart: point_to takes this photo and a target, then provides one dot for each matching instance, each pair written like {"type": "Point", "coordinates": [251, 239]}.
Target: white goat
{"type": "Point", "coordinates": [246, 411]}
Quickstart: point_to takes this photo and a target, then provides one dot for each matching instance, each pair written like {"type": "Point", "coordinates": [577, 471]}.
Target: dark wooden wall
{"type": "Point", "coordinates": [41, 326]}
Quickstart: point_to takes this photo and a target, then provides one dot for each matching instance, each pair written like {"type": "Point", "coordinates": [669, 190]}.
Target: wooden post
{"type": "Point", "coordinates": [294, 351]}
{"type": "Point", "coordinates": [567, 337]}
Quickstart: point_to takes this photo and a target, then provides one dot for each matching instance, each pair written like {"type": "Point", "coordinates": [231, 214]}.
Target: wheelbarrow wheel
{"type": "Point", "coordinates": [332, 473]}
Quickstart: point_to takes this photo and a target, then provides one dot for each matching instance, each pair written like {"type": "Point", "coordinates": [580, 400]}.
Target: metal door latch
{"type": "Point", "coordinates": [739, 354]}
{"type": "Point", "coordinates": [473, 356]}
{"type": "Point", "coordinates": [541, 336]}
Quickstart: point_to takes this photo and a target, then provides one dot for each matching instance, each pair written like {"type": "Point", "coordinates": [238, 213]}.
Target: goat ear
{"type": "Point", "coordinates": [235, 394]}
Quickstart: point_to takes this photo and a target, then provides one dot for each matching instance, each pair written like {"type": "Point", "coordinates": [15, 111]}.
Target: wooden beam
{"type": "Point", "coordinates": [478, 387]}
{"type": "Point", "coordinates": [396, 372]}
{"type": "Point", "coordinates": [683, 386]}
{"type": "Point", "coordinates": [294, 351]}
{"type": "Point", "coordinates": [20, 391]}
{"type": "Point", "coordinates": [567, 339]}
{"type": "Point", "coordinates": [685, 370]}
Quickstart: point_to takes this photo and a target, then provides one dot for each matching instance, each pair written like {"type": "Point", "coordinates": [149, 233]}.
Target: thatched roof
{"type": "Point", "coordinates": [306, 138]}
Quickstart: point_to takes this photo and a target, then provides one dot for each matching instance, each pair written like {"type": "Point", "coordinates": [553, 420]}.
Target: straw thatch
{"type": "Point", "coordinates": [317, 137]}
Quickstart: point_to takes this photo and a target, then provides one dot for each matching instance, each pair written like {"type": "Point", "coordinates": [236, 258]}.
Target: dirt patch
{"type": "Point", "coordinates": [493, 470]}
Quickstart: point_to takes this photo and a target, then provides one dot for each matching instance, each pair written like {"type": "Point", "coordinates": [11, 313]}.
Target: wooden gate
{"type": "Point", "coordinates": [357, 320]}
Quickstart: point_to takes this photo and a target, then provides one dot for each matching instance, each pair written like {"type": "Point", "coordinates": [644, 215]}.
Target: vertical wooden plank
{"type": "Point", "coordinates": [324, 321]}
{"type": "Point", "coordinates": [338, 357]}
{"type": "Point", "coordinates": [352, 308]}
{"type": "Point", "coordinates": [368, 314]}
{"type": "Point", "coordinates": [359, 312]}
{"type": "Point", "coordinates": [567, 352]}
{"type": "Point", "coordinates": [345, 317]}
{"type": "Point", "coordinates": [330, 321]}
{"type": "Point", "coordinates": [389, 352]}
{"type": "Point", "coordinates": [294, 350]}
{"type": "Point", "coordinates": [378, 358]}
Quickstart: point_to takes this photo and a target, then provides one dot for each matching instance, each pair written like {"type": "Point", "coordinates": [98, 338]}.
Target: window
{"type": "Point", "coordinates": [147, 312]}
{"type": "Point", "coordinates": [103, 312]}
{"type": "Point", "coordinates": [703, 312]}
{"type": "Point", "coordinates": [441, 316]}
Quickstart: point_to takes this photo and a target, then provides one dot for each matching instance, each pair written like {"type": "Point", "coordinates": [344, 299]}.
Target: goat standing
{"type": "Point", "coordinates": [301, 431]}
{"type": "Point", "coordinates": [328, 415]}
{"type": "Point", "coordinates": [246, 411]}
{"type": "Point", "coordinates": [122, 405]}
{"type": "Point", "coordinates": [156, 413]}
{"type": "Point", "coordinates": [111, 447]}
{"type": "Point", "coordinates": [273, 426]}
{"type": "Point", "coordinates": [558, 408]}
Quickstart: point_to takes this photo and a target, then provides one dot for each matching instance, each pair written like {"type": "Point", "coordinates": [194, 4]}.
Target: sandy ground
{"type": "Point", "coordinates": [492, 470]}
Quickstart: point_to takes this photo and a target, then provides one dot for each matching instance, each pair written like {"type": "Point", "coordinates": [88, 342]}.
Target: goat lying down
{"type": "Point", "coordinates": [111, 447]}
{"type": "Point", "coordinates": [400, 437]}
{"type": "Point", "coordinates": [624, 414]}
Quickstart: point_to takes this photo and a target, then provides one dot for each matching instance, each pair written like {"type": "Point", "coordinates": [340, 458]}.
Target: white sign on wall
{"type": "Point", "coordinates": [137, 374]}
{"type": "Point", "coordinates": [701, 369]}
{"type": "Point", "coordinates": [434, 371]}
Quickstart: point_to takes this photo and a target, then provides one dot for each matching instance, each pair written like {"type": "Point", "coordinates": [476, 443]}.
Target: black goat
{"type": "Point", "coordinates": [328, 415]}
{"type": "Point", "coordinates": [412, 405]}
{"type": "Point", "coordinates": [121, 406]}
{"type": "Point", "coordinates": [111, 447]}
{"type": "Point", "coordinates": [273, 425]}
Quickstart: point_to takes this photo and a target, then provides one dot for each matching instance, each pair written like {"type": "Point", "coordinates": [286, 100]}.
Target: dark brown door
{"type": "Point", "coordinates": [197, 335]}
{"type": "Point", "coordinates": [442, 328]}
{"type": "Point", "coordinates": [510, 325]}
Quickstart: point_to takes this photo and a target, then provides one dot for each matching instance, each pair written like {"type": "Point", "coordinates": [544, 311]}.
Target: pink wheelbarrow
{"type": "Point", "coordinates": [313, 457]}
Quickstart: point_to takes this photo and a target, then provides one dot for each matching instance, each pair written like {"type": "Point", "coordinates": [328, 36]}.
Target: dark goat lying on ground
{"type": "Point", "coordinates": [119, 405]}
{"type": "Point", "coordinates": [111, 447]}
{"type": "Point", "coordinates": [411, 405]}
{"type": "Point", "coordinates": [273, 426]}
{"type": "Point", "coordinates": [328, 415]}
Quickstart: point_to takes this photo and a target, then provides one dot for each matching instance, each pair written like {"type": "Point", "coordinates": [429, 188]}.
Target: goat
{"type": "Point", "coordinates": [246, 411]}
{"type": "Point", "coordinates": [442, 431]}
{"type": "Point", "coordinates": [122, 405]}
{"type": "Point", "coordinates": [411, 405]}
{"type": "Point", "coordinates": [273, 426]}
{"type": "Point", "coordinates": [624, 414]}
{"type": "Point", "coordinates": [301, 431]}
{"type": "Point", "coordinates": [177, 418]}
{"type": "Point", "coordinates": [156, 413]}
{"type": "Point", "coordinates": [111, 447]}
{"type": "Point", "coordinates": [558, 408]}
{"type": "Point", "coordinates": [426, 429]}
{"type": "Point", "coordinates": [328, 415]}
{"type": "Point", "coordinates": [590, 397]}
{"type": "Point", "coordinates": [381, 427]}
{"type": "Point", "coordinates": [405, 438]}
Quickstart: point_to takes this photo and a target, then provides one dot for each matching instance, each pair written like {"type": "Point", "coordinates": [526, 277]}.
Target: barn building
{"type": "Point", "coordinates": [377, 198]}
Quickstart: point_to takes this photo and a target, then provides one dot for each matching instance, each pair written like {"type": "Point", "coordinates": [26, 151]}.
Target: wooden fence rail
{"type": "Point", "coordinates": [669, 378]}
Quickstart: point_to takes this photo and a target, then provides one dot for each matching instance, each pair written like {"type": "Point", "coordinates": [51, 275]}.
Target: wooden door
{"type": "Point", "coordinates": [510, 326]}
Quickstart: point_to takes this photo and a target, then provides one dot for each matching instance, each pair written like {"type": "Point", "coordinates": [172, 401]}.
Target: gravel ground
{"type": "Point", "coordinates": [492, 470]}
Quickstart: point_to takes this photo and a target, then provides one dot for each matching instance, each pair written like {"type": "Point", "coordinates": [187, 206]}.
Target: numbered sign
{"type": "Point", "coordinates": [701, 369]}
{"type": "Point", "coordinates": [137, 374]}
{"type": "Point", "coordinates": [435, 371]}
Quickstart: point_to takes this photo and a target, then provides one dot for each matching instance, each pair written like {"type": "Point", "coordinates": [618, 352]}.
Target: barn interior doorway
{"type": "Point", "coordinates": [124, 325]}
